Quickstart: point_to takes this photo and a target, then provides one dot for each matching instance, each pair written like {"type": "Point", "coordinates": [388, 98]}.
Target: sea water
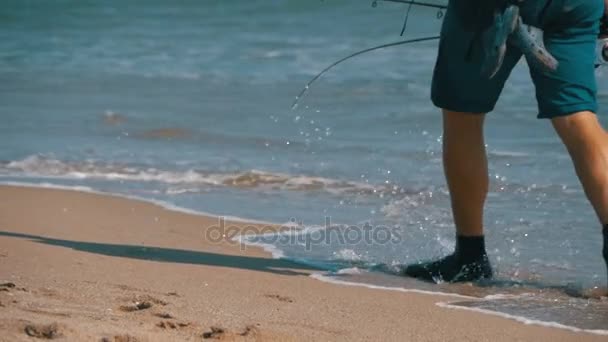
{"type": "Point", "coordinates": [188, 103]}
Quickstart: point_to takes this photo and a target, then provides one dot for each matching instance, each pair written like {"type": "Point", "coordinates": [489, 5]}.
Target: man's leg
{"type": "Point", "coordinates": [460, 89]}
{"type": "Point", "coordinates": [466, 171]}
{"type": "Point", "coordinates": [568, 95]}
{"type": "Point", "coordinates": [587, 143]}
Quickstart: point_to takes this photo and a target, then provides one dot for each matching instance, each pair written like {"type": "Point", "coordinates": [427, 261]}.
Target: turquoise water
{"type": "Point", "coordinates": [188, 102]}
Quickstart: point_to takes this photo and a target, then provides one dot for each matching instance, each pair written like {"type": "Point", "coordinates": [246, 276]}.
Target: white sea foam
{"type": "Point", "coordinates": [500, 296]}
{"type": "Point", "coordinates": [181, 191]}
{"type": "Point", "coordinates": [276, 252]}
{"type": "Point", "coordinates": [452, 305]}
{"type": "Point", "coordinates": [351, 270]}
{"type": "Point", "coordinates": [184, 180]}
{"type": "Point", "coordinates": [523, 320]}
{"type": "Point", "coordinates": [333, 280]}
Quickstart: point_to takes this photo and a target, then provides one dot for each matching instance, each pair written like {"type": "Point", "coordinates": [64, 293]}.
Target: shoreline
{"type": "Point", "coordinates": [74, 224]}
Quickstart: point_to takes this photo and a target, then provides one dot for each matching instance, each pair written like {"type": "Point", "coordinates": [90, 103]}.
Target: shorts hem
{"type": "Point", "coordinates": [566, 111]}
{"type": "Point", "coordinates": [463, 108]}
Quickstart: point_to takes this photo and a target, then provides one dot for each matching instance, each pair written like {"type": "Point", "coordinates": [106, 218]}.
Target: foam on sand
{"type": "Point", "coordinates": [454, 305]}
{"type": "Point", "coordinates": [524, 319]}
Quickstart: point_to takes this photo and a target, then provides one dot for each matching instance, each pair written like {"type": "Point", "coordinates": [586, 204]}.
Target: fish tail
{"type": "Point", "coordinates": [530, 40]}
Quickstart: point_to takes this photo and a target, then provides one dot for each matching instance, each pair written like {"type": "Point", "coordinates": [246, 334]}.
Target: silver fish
{"type": "Point", "coordinates": [494, 39]}
{"type": "Point", "coordinates": [508, 26]}
{"type": "Point", "coordinates": [529, 40]}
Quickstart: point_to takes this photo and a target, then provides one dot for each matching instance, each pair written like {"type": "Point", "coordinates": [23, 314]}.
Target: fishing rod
{"type": "Point", "coordinates": [417, 3]}
{"type": "Point", "coordinates": [305, 89]}
{"type": "Point", "coordinates": [411, 3]}
{"type": "Point", "coordinates": [602, 46]}
{"type": "Point", "coordinates": [374, 4]}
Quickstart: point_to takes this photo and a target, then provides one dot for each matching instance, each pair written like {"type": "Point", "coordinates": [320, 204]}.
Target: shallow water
{"type": "Point", "coordinates": [189, 103]}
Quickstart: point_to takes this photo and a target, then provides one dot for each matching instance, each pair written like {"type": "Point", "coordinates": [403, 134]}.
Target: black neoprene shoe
{"type": "Point", "coordinates": [450, 269]}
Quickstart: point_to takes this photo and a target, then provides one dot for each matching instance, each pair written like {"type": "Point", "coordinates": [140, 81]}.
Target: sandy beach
{"type": "Point", "coordinates": [78, 266]}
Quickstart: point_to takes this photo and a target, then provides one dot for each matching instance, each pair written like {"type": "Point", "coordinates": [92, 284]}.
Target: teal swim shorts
{"type": "Point", "coordinates": [571, 28]}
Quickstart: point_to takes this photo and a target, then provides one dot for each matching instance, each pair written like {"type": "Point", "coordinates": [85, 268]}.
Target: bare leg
{"type": "Point", "coordinates": [466, 169]}
{"type": "Point", "coordinates": [587, 144]}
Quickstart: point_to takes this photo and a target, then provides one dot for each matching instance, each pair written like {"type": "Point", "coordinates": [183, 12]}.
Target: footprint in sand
{"type": "Point", "coordinates": [216, 332]}
{"type": "Point", "coordinates": [137, 306]}
{"type": "Point", "coordinates": [250, 330]}
{"type": "Point", "coordinates": [172, 325]}
{"type": "Point", "coordinates": [45, 331]}
{"type": "Point", "coordinates": [142, 302]}
{"type": "Point", "coordinates": [6, 287]}
{"type": "Point", "coordinates": [280, 298]}
{"type": "Point", "coordinates": [164, 315]}
{"type": "Point", "coordinates": [119, 338]}
{"type": "Point", "coordinates": [148, 298]}
{"type": "Point", "coordinates": [221, 333]}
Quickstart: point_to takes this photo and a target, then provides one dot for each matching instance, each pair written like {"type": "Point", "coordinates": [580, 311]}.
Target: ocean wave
{"type": "Point", "coordinates": [400, 198]}
{"type": "Point", "coordinates": [186, 181]}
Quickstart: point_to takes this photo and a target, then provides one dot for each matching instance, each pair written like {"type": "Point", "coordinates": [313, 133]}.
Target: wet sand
{"type": "Point", "coordinates": [78, 266]}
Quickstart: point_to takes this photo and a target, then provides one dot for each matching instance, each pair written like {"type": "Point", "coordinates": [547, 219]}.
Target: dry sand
{"type": "Point", "coordinates": [78, 266]}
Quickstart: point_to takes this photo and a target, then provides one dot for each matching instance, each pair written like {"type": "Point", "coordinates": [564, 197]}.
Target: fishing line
{"type": "Point", "coordinates": [375, 4]}
{"type": "Point", "coordinates": [417, 3]}
{"type": "Point", "coordinates": [407, 16]}
{"type": "Point", "coordinates": [303, 92]}
{"type": "Point", "coordinates": [439, 14]}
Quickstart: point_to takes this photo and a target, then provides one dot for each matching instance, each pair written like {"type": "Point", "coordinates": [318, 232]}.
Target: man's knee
{"type": "Point", "coordinates": [462, 122]}
{"type": "Point", "coordinates": [577, 127]}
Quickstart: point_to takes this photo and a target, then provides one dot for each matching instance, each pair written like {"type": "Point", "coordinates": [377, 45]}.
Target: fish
{"type": "Point", "coordinates": [529, 39]}
{"type": "Point", "coordinates": [508, 27]}
{"type": "Point", "coordinates": [494, 39]}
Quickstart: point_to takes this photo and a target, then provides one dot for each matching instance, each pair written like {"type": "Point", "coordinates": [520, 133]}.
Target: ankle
{"type": "Point", "coordinates": [470, 248]}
